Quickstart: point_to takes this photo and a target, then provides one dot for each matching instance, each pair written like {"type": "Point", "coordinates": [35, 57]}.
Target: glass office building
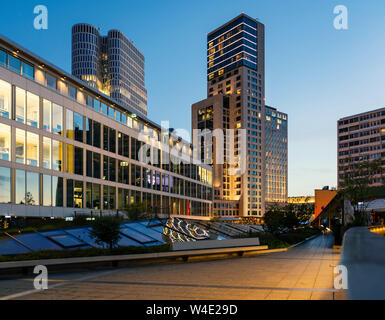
{"type": "Point", "coordinates": [66, 147]}
{"type": "Point", "coordinates": [111, 64]}
{"type": "Point", "coordinates": [276, 156]}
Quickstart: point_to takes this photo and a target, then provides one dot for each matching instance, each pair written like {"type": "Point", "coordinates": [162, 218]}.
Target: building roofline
{"type": "Point", "coordinates": [232, 20]}
{"type": "Point", "coordinates": [8, 43]}
{"type": "Point", "coordinates": [275, 109]}
{"type": "Point", "coordinates": [362, 113]}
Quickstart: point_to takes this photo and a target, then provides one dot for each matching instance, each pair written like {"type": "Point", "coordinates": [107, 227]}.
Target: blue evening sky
{"type": "Point", "coordinates": [314, 73]}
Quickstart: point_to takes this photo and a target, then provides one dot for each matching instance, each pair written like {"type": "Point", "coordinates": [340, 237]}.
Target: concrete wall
{"type": "Point", "coordinates": [213, 244]}
{"type": "Point", "coordinates": [363, 255]}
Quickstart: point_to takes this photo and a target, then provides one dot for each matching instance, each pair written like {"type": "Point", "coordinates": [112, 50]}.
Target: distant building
{"type": "Point", "coordinates": [322, 199]}
{"type": "Point", "coordinates": [361, 137]}
{"type": "Point", "coordinates": [301, 200]}
{"type": "Point", "coordinates": [110, 64]}
{"type": "Point", "coordinates": [276, 155]}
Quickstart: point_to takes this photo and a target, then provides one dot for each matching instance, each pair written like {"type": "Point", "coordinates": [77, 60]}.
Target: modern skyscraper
{"type": "Point", "coordinates": [361, 137]}
{"type": "Point", "coordinates": [111, 64]}
{"type": "Point", "coordinates": [236, 100]}
{"type": "Point", "coordinates": [276, 156]}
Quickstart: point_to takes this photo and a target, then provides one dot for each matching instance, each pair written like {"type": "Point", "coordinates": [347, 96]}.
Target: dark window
{"type": "Point", "coordinates": [89, 164]}
{"type": "Point", "coordinates": [78, 161]}
{"type": "Point", "coordinates": [3, 58]}
{"type": "Point", "coordinates": [28, 71]}
{"type": "Point", "coordinates": [51, 82]}
{"type": "Point", "coordinates": [96, 165]}
{"type": "Point", "coordinates": [96, 134]}
{"type": "Point", "coordinates": [112, 140]}
{"type": "Point", "coordinates": [72, 92]}
{"type": "Point", "coordinates": [112, 169]}
{"type": "Point", "coordinates": [78, 125]}
{"type": "Point", "coordinates": [14, 64]}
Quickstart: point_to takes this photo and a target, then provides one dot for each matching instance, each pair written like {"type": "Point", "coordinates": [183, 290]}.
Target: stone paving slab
{"type": "Point", "coordinates": [304, 272]}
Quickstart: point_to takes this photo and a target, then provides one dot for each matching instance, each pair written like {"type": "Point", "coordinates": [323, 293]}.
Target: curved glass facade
{"type": "Point", "coordinates": [111, 64]}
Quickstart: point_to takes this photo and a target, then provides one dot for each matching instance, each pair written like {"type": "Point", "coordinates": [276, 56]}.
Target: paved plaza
{"type": "Point", "coordinates": [304, 272]}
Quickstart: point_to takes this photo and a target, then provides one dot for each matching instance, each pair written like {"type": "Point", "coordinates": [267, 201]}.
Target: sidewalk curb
{"type": "Point", "coordinates": [307, 239]}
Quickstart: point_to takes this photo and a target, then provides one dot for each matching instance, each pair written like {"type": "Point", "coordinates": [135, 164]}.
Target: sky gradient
{"type": "Point", "coordinates": [315, 73]}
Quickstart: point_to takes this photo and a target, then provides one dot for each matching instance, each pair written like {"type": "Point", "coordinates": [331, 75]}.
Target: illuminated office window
{"type": "Point", "coordinates": [32, 110]}
{"type": "Point", "coordinates": [47, 152]}
{"type": "Point", "coordinates": [70, 124]}
{"type": "Point", "coordinates": [32, 149]}
{"type": "Point", "coordinates": [47, 190]}
{"type": "Point", "coordinates": [57, 119]}
{"type": "Point", "coordinates": [70, 159]}
{"type": "Point", "coordinates": [57, 155]}
{"type": "Point", "coordinates": [47, 115]}
{"type": "Point", "coordinates": [20, 146]}
{"type": "Point", "coordinates": [5, 99]}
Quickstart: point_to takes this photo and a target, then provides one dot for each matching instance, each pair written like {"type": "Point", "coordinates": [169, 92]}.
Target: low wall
{"type": "Point", "coordinates": [363, 254]}
{"type": "Point", "coordinates": [214, 244]}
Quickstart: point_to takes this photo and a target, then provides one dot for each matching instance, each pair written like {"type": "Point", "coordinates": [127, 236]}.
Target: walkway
{"type": "Point", "coordinates": [304, 272]}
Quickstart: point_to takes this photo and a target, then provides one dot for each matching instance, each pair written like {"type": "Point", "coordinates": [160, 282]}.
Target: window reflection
{"type": "Point", "coordinates": [57, 155]}
{"type": "Point", "coordinates": [5, 99]}
{"type": "Point", "coordinates": [5, 142]}
{"type": "Point", "coordinates": [57, 119]}
{"type": "Point", "coordinates": [20, 146]}
{"type": "Point", "coordinates": [47, 190]}
{"type": "Point", "coordinates": [20, 187]}
{"type": "Point", "coordinates": [78, 126]}
{"type": "Point", "coordinates": [70, 158]}
{"type": "Point", "coordinates": [32, 149]}
{"type": "Point", "coordinates": [32, 110]}
{"type": "Point", "coordinates": [74, 194]}
{"type": "Point", "coordinates": [32, 191]}
{"type": "Point", "coordinates": [57, 191]}
{"type": "Point", "coordinates": [46, 115]}
{"type": "Point", "coordinates": [47, 154]}
{"type": "Point", "coordinates": [20, 105]}
{"type": "Point", "coordinates": [70, 124]}
{"type": "Point", "coordinates": [14, 64]}
{"type": "Point", "coordinates": [5, 185]}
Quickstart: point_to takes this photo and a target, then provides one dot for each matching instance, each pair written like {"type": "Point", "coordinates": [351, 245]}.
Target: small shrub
{"type": "Point", "coordinates": [106, 231]}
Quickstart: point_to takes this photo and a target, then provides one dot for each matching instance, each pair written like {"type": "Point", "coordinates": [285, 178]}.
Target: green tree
{"type": "Point", "coordinates": [356, 185]}
{"type": "Point", "coordinates": [358, 178]}
{"type": "Point", "coordinates": [136, 210]}
{"type": "Point", "coordinates": [106, 231]}
{"type": "Point", "coordinates": [279, 218]}
{"type": "Point", "coordinates": [274, 220]}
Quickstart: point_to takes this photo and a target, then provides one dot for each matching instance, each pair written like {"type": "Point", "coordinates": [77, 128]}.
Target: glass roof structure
{"type": "Point", "coordinates": [143, 233]}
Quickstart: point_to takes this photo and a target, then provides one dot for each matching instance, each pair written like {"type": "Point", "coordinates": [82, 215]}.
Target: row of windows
{"type": "Point", "coordinates": [60, 86]}
{"type": "Point", "coordinates": [27, 152]}
{"type": "Point", "coordinates": [31, 188]}
{"type": "Point", "coordinates": [77, 127]}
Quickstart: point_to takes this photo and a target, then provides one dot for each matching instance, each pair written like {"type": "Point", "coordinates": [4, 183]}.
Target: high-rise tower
{"type": "Point", "coordinates": [111, 64]}
{"type": "Point", "coordinates": [236, 100]}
